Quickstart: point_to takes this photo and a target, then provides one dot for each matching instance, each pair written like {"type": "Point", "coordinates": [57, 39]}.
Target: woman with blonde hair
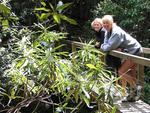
{"type": "Point", "coordinates": [96, 24]}
{"type": "Point", "coordinates": [117, 39]}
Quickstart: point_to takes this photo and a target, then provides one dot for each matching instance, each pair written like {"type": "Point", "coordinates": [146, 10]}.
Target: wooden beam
{"type": "Point", "coordinates": [122, 55]}
{"type": "Point", "coordinates": [146, 50]}
{"type": "Point", "coordinates": [137, 59]}
{"type": "Point", "coordinates": [132, 107]}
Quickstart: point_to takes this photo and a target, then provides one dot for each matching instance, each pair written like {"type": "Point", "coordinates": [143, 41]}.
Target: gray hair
{"type": "Point", "coordinates": [108, 18]}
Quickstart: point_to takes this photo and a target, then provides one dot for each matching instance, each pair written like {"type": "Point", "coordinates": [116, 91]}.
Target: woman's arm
{"type": "Point", "coordinates": [112, 43]}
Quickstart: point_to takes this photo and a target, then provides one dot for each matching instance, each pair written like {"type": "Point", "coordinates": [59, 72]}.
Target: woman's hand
{"type": "Point", "coordinates": [97, 45]}
{"type": "Point", "coordinates": [119, 49]}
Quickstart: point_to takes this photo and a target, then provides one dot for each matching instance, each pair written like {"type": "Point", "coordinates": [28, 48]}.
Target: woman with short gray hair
{"type": "Point", "coordinates": [117, 39]}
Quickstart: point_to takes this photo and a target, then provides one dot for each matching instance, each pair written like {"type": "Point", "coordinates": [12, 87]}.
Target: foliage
{"type": "Point", "coordinates": [132, 15]}
{"type": "Point", "coordinates": [6, 16]}
{"type": "Point", "coordinates": [54, 12]}
{"type": "Point", "coordinates": [39, 73]}
{"type": "Point", "coordinates": [88, 32]}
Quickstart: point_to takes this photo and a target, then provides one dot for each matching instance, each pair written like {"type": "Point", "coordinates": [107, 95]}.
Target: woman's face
{"type": "Point", "coordinates": [97, 26]}
{"type": "Point", "coordinates": [107, 25]}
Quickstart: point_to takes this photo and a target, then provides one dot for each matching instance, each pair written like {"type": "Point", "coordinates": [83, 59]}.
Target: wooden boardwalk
{"type": "Point", "coordinates": [132, 107]}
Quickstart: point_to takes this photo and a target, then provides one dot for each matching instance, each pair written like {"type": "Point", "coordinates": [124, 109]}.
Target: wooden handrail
{"type": "Point", "coordinates": [146, 50]}
{"type": "Point", "coordinates": [140, 60]}
{"type": "Point", "coordinates": [137, 59]}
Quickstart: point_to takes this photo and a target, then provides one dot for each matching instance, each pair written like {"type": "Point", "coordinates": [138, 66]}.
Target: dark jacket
{"type": "Point", "coordinates": [100, 36]}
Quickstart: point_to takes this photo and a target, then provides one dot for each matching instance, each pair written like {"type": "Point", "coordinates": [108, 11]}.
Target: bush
{"type": "Point", "coordinates": [39, 74]}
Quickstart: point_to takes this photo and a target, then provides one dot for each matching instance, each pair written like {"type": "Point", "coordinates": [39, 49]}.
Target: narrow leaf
{"type": "Point", "coordinates": [56, 18]}
{"type": "Point", "coordinates": [71, 21]}
{"type": "Point", "coordinates": [51, 7]}
{"type": "Point", "coordinates": [43, 3]}
{"type": "Point", "coordinates": [44, 16]}
{"type": "Point", "coordinates": [42, 9]}
{"type": "Point", "coordinates": [91, 66]}
{"type": "Point", "coordinates": [62, 7]}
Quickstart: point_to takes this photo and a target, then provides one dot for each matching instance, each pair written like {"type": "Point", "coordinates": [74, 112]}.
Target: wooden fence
{"type": "Point", "coordinates": [128, 107]}
{"type": "Point", "coordinates": [140, 60]}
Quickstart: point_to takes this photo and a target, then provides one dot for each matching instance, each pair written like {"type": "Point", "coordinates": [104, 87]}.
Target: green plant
{"type": "Point", "coordinates": [39, 73]}
{"type": "Point", "coordinates": [6, 16]}
{"type": "Point", "coordinates": [54, 12]}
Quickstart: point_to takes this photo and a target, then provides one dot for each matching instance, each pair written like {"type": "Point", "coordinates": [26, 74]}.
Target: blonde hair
{"type": "Point", "coordinates": [108, 18]}
{"type": "Point", "coordinates": [98, 20]}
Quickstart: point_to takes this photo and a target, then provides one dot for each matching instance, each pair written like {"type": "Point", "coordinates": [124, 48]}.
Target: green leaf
{"type": "Point", "coordinates": [62, 7]}
{"type": "Point", "coordinates": [114, 110]}
{"type": "Point", "coordinates": [20, 63]}
{"type": "Point", "coordinates": [42, 9]}
{"type": "Point", "coordinates": [12, 96]}
{"type": "Point", "coordinates": [44, 16]}
{"type": "Point", "coordinates": [71, 92]}
{"type": "Point", "coordinates": [86, 93]}
{"type": "Point", "coordinates": [13, 18]}
{"type": "Point", "coordinates": [76, 96]}
{"type": "Point", "coordinates": [1, 18]}
{"type": "Point", "coordinates": [4, 9]}
{"type": "Point", "coordinates": [5, 23]}
{"type": "Point", "coordinates": [24, 78]}
{"type": "Point", "coordinates": [56, 18]}
{"type": "Point", "coordinates": [71, 21]}
{"type": "Point", "coordinates": [43, 3]}
{"type": "Point", "coordinates": [86, 100]}
{"type": "Point", "coordinates": [51, 7]}
{"type": "Point", "coordinates": [91, 66]}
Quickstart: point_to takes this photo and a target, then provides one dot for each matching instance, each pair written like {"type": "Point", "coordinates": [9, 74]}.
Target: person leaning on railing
{"type": "Point", "coordinates": [96, 24]}
{"type": "Point", "coordinates": [117, 39]}
{"type": "Point", "coordinates": [99, 31]}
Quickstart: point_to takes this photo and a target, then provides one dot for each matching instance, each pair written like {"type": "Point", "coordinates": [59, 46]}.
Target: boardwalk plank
{"type": "Point", "coordinates": [132, 107]}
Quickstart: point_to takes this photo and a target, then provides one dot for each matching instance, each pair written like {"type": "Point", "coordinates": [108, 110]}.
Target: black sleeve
{"type": "Point", "coordinates": [100, 36]}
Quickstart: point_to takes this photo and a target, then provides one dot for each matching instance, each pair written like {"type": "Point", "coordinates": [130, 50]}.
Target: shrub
{"type": "Point", "coordinates": [40, 74]}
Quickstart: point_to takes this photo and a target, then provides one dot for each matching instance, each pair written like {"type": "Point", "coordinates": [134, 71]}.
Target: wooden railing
{"type": "Point", "coordinates": [140, 60]}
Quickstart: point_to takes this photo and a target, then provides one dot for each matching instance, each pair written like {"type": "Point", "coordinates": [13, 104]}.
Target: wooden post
{"type": "Point", "coordinates": [73, 46]}
{"type": "Point", "coordinates": [140, 74]}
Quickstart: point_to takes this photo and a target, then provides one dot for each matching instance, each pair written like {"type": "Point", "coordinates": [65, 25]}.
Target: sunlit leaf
{"type": "Point", "coordinates": [42, 9]}
{"type": "Point", "coordinates": [91, 66]}
{"type": "Point", "coordinates": [114, 109]}
{"type": "Point", "coordinates": [4, 9]}
{"type": "Point", "coordinates": [44, 16]}
{"type": "Point", "coordinates": [56, 18]}
{"type": "Point", "coordinates": [43, 3]}
{"type": "Point", "coordinates": [62, 7]}
{"type": "Point", "coordinates": [71, 21]}
{"type": "Point", "coordinates": [20, 63]}
{"type": "Point", "coordinates": [76, 96]}
{"type": "Point", "coordinates": [5, 23]}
